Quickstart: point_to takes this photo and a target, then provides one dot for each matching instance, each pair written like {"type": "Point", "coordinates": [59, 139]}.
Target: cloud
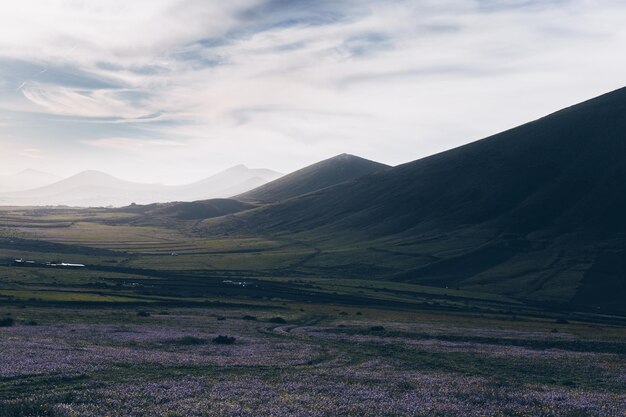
{"type": "Point", "coordinates": [78, 102]}
{"type": "Point", "coordinates": [32, 153]}
{"type": "Point", "coordinates": [285, 82]}
{"type": "Point", "coordinates": [131, 144]}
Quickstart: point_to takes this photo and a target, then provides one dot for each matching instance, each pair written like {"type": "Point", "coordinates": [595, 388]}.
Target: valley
{"type": "Point", "coordinates": [447, 286]}
{"type": "Point", "coordinates": [136, 329]}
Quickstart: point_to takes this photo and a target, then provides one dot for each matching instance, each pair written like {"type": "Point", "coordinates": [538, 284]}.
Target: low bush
{"type": "Point", "coordinates": [246, 317]}
{"type": "Point", "coordinates": [278, 320]}
{"type": "Point", "coordinates": [143, 314]}
{"type": "Point", "coordinates": [7, 322]}
{"type": "Point", "coordinates": [24, 408]}
{"type": "Point", "coordinates": [224, 340]}
{"type": "Point", "coordinates": [377, 328]}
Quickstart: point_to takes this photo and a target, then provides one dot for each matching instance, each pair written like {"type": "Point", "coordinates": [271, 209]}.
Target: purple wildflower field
{"type": "Point", "coordinates": [169, 366]}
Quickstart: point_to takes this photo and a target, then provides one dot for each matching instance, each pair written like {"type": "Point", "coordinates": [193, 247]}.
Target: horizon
{"type": "Point", "coordinates": [161, 91]}
{"type": "Point", "coordinates": [61, 177]}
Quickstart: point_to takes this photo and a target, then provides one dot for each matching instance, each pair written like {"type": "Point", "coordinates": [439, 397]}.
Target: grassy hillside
{"type": "Point", "coordinates": [533, 215]}
{"type": "Point", "coordinates": [534, 212]}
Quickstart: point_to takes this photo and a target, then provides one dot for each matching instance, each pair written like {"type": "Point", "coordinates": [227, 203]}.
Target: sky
{"type": "Point", "coordinates": [174, 90]}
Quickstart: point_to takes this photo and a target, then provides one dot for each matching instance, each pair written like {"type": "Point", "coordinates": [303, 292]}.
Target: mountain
{"type": "Point", "coordinates": [536, 212]}
{"type": "Point", "coordinates": [88, 188]}
{"type": "Point", "coordinates": [230, 182]}
{"type": "Point", "coordinates": [26, 179]}
{"type": "Point", "coordinates": [315, 177]}
{"type": "Point", "coordinates": [94, 188]}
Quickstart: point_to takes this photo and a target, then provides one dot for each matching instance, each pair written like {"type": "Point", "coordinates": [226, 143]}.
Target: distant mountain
{"type": "Point", "coordinates": [230, 182]}
{"type": "Point", "coordinates": [314, 177]}
{"type": "Point", "coordinates": [536, 212]}
{"type": "Point", "coordinates": [26, 179]}
{"type": "Point", "coordinates": [94, 188]}
{"type": "Point", "coordinates": [88, 188]}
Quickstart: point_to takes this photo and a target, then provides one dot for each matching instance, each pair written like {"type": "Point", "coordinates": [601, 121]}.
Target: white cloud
{"type": "Point", "coordinates": [116, 30]}
{"type": "Point", "coordinates": [131, 144]}
{"type": "Point", "coordinates": [32, 153]}
{"type": "Point", "coordinates": [74, 102]}
{"type": "Point", "coordinates": [391, 80]}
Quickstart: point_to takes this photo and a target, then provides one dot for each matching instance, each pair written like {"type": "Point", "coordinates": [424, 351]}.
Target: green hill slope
{"type": "Point", "coordinates": [535, 212]}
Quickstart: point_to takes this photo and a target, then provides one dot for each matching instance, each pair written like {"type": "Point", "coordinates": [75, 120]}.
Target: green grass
{"type": "Point", "coordinates": [189, 267]}
{"type": "Point", "coordinates": [66, 296]}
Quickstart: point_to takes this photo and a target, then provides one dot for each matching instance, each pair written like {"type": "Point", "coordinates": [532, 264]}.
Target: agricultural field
{"type": "Point", "coordinates": [159, 321]}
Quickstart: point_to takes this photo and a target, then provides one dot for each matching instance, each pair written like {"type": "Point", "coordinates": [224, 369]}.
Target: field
{"type": "Point", "coordinates": [136, 332]}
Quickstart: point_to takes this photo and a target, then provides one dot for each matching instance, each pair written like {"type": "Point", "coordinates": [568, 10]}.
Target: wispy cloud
{"type": "Point", "coordinates": [79, 102]}
{"type": "Point", "coordinates": [131, 144]}
{"type": "Point", "coordinates": [286, 82]}
{"type": "Point", "coordinates": [32, 153]}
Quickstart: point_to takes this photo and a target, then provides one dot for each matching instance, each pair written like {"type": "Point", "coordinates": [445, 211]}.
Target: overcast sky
{"type": "Point", "coordinates": [174, 90]}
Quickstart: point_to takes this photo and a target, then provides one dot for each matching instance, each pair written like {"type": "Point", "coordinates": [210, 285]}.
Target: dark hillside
{"type": "Point", "coordinates": [200, 209]}
{"type": "Point", "coordinates": [315, 177]}
{"type": "Point", "coordinates": [539, 206]}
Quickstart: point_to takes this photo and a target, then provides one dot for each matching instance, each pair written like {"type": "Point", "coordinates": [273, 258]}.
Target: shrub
{"type": "Point", "coordinates": [143, 314]}
{"type": "Point", "coordinates": [221, 318]}
{"type": "Point", "coordinates": [224, 340]}
{"type": "Point", "coordinates": [246, 317]}
{"type": "Point", "coordinates": [377, 328]}
{"type": "Point", "coordinates": [7, 322]}
{"type": "Point", "coordinates": [278, 320]}
{"type": "Point", "coordinates": [21, 408]}
{"type": "Point", "coordinates": [561, 321]}
{"type": "Point", "coordinates": [31, 323]}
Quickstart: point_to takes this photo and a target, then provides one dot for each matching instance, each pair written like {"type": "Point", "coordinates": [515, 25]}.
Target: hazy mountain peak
{"type": "Point", "coordinates": [97, 188]}
{"type": "Point", "coordinates": [32, 171]}
{"type": "Point", "coordinates": [236, 168]}
{"type": "Point", "coordinates": [92, 174]}
{"type": "Point", "coordinates": [26, 179]}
